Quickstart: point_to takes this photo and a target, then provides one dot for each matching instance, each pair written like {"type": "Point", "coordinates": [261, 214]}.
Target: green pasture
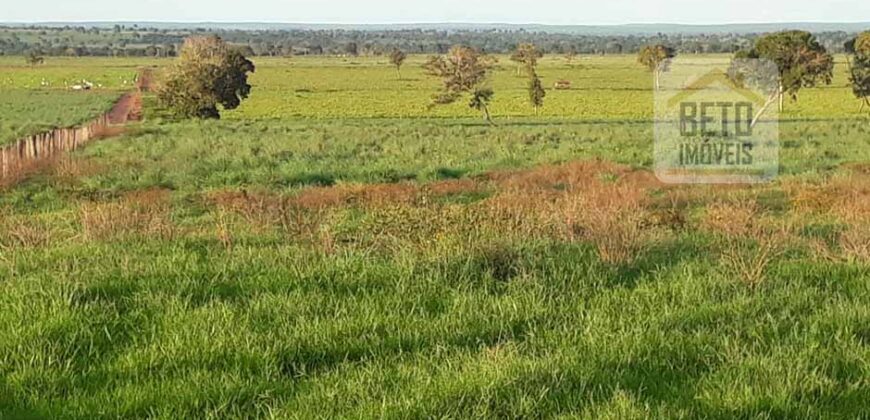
{"type": "Point", "coordinates": [334, 249]}
{"type": "Point", "coordinates": [603, 88]}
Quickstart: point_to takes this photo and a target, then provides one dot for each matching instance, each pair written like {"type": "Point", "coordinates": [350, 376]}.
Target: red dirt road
{"type": "Point", "coordinates": [129, 107]}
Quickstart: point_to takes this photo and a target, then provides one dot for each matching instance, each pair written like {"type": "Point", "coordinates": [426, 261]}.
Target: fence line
{"type": "Point", "coordinates": [15, 158]}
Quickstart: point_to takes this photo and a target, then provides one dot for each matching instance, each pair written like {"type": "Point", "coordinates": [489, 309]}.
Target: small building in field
{"type": "Point", "coordinates": [562, 84]}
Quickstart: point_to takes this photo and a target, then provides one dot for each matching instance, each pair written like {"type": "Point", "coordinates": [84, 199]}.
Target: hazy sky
{"type": "Point", "coordinates": [411, 11]}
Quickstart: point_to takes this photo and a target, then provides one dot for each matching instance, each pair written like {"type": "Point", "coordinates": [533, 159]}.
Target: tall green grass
{"type": "Point", "coordinates": [291, 154]}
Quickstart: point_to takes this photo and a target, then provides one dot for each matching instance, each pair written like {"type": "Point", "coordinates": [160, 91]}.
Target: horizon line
{"type": "Point", "coordinates": [411, 23]}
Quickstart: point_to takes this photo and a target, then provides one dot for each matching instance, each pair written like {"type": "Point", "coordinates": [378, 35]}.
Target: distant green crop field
{"type": "Point", "coordinates": [26, 112]}
{"type": "Point", "coordinates": [60, 73]}
{"type": "Point", "coordinates": [608, 88]}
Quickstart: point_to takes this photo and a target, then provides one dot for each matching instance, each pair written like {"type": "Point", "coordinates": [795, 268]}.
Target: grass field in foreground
{"type": "Point", "coordinates": [275, 267]}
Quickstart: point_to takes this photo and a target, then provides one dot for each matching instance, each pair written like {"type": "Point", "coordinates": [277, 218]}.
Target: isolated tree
{"type": "Point", "coordinates": [859, 68]}
{"type": "Point", "coordinates": [615, 47]}
{"type": "Point", "coordinates": [463, 71]}
{"type": "Point", "coordinates": [526, 56]}
{"type": "Point", "coordinates": [799, 58]}
{"type": "Point", "coordinates": [571, 54]}
{"type": "Point", "coordinates": [34, 59]}
{"type": "Point", "coordinates": [480, 99]}
{"type": "Point", "coordinates": [351, 49]}
{"type": "Point", "coordinates": [536, 92]}
{"type": "Point", "coordinates": [656, 58]}
{"type": "Point", "coordinates": [208, 74]}
{"type": "Point", "coordinates": [397, 58]}
{"type": "Point", "coordinates": [74, 51]}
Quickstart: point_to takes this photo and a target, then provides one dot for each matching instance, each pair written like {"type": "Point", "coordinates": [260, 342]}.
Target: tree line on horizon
{"type": "Point", "coordinates": [153, 42]}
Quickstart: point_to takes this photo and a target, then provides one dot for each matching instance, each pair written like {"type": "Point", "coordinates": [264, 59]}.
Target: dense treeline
{"type": "Point", "coordinates": [137, 41]}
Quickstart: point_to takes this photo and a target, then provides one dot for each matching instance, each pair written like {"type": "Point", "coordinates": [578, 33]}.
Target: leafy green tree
{"type": "Point", "coordinates": [526, 56]}
{"type": "Point", "coordinates": [800, 59]}
{"type": "Point", "coordinates": [463, 71]}
{"type": "Point", "coordinates": [859, 68]}
{"type": "Point", "coordinates": [397, 58]}
{"type": "Point", "coordinates": [656, 58]}
{"type": "Point", "coordinates": [861, 44]}
{"type": "Point", "coordinates": [208, 74]}
{"type": "Point", "coordinates": [536, 92]}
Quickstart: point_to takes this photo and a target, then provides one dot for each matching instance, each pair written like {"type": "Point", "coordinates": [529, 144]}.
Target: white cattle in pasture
{"type": "Point", "coordinates": [84, 85]}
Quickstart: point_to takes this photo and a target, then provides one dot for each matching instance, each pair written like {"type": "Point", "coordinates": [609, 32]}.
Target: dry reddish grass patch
{"type": "Point", "coordinates": [223, 231]}
{"type": "Point", "coordinates": [614, 217]}
{"type": "Point", "coordinates": [146, 213]}
{"type": "Point", "coordinates": [453, 186]}
{"type": "Point", "coordinates": [860, 168]}
{"type": "Point", "coordinates": [26, 169]}
{"type": "Point", "coordinates": [68, 168]}
{"type": "Point", "coordinates": [854, 210]}
{"type": "Point", "coordinates": [574, 175]}
{"type": "Point", "coordinates": [548, 177]}
{"type": "Point", "coordinates": [379, 195]}
{"type": "Point", "coordinates": [751, 239]}
{"type": "Point", "coordinates": [809, 199]}
{"type": "Point", "coordinates": [302, 214]}
{"type": "Point", "coordinates": [600, 202]}
{"type": "Point", "coordinates": [264, 210]}
{"type": "Point", "coordinates": [24, 232]}
{"type": "Point", "coordinates": [603, 203]}
{"type": "Point", "coordinates": [256, 207]}
{"type": "Point", "coordinates": [845, 198]}
{"type": "Point", "coordinates": [520, 214]}
{"type": "Point", "coordinates": [622, 211]}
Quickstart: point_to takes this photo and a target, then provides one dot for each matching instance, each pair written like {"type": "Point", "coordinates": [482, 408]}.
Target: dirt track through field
{"type": "Point", "coordinates": [129, 107]}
